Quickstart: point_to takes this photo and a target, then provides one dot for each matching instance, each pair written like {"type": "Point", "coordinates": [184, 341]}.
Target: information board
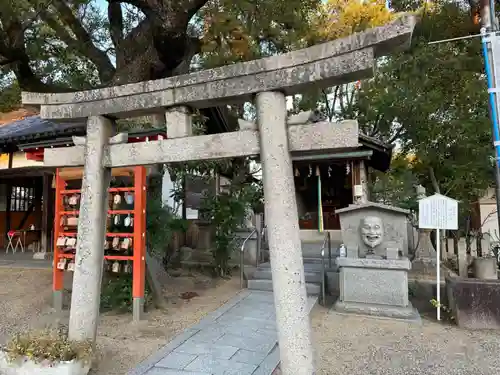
{"type": "Point", "coordinates": [438, 212]}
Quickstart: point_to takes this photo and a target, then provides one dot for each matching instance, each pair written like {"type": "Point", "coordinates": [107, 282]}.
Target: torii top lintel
{"type": "Point", "coordinates": [336, 62]}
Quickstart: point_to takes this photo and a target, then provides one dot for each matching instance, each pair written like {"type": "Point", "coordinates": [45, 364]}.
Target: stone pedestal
{"type": "Point", "coordinates": [375, 287]}
{"type": "Point", "coordinates": [485, 268]}
{"type": "Point", "coordinates": [425, 256]}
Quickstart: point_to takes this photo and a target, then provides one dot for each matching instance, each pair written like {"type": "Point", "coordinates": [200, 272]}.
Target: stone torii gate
{"type": "Point", "coordinates": [267, 82]}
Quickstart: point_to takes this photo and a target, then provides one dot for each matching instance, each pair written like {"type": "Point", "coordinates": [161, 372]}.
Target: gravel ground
{"type": "Point", "coordinates": [347, 344]}
{"type": "Point", "coordinates": [26, 297]}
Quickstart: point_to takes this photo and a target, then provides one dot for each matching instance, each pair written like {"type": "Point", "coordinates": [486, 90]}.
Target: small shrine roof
{"type": "Point", "coordinates": [355, 207]}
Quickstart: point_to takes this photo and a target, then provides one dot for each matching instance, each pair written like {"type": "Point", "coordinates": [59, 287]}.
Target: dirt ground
{"type": "Point", "coordinates": [343, 343]}
{"type": "Point", "coordinates": [347, 344]}
{"type": "Point", "coordinates": [24, 295]}
{"type": "Point", "coordinates": [122, 344]}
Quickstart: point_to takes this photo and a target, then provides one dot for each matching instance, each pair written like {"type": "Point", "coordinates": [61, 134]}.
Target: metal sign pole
{"type": "Point", "coordinates": [491, 51]}
{"type": "Point", "coordinates": [438, 273]}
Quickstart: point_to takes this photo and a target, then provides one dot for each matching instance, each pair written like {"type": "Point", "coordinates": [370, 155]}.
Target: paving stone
{"type": "Point", "coordinates": [207, 336]}
{"type": "Point", "coordinates": [176, 360]}
{"type": "Point", "coordinates": [262, 344]}
{"type": "Point", "coordinates": [216, 350]}
{"type": "Point", "coordinates": [217, 366]}
{"type": "Point", "coordinates": [163, 352]}
{"type": "Point", "coordinates": [166, 371]}
{"type": "Point", "coordinates": [247, 356]}
{"type": "Point", "coordinates": [270, 363]}
{"type": "Point", "coordinates": [240, 338]}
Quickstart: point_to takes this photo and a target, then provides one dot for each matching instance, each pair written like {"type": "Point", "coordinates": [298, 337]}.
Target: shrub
{"type": "Point", "coordinates": [116, 294]}
{"type": "Point", "coordinates": [47, 345]}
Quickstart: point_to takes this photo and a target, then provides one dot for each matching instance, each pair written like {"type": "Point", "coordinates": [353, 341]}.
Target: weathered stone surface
{"type": "Point", "coordinates": [394, 222]}
{"type": "Point", "coordinates": [339, 61]}
{"type": "Point", "coordinates": [475, 303]}
{"type": "Point", "coordinates": [179, 122]}
{"type": "Point", "coordinates": [287, 267]}
{"type": "Point", "coordinates": [302, 139]}
{"type": "Point", "coordinates": [396, 264]}
{"type": "Point", "coordinates": [408, 313]}
{"type": "Point", "coordinates": [383, 282]}
{"type": "Point", "coordinates": [91, 233]}
{"type": "Point", "coordinates": [485, 268]}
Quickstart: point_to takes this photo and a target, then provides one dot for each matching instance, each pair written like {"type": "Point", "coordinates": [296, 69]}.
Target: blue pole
{"type": "Point", "coordinates": [488, 58]}
{"type": "Point", "coordinates": [492, 99]}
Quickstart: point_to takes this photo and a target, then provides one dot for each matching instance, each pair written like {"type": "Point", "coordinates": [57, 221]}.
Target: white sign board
{"type": "Point", "coordinates": [438, 212]}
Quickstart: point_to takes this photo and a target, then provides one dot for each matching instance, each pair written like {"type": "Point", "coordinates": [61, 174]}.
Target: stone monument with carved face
{"type": "Point", "coordinates": [372, 233]}
{"type": "Point", "coordinates": [373, 230]}
{"type": "Point", "coordinates": [373, 277]}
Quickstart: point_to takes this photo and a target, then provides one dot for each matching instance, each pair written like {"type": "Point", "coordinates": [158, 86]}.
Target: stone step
{"type": "Point", "coordinates": [309, 266]}
{"type": "Point", "coordinates": [265, 274]}
{"type": "Point", "coordinates": [267, 285]}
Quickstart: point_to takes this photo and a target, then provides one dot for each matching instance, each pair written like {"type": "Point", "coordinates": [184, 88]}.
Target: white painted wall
{"type": "Point", "coordinates": [167, 187]}
{"type": "Point", "coordinates": [19, 160]}
{"type": "Point", "coordinates": [488, 210]}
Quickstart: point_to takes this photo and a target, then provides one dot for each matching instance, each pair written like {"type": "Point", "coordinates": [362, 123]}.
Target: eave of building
{"type": "Point", "coordinates": [376, 153]}
{"type": "Point", "coordinates": [67, 141]}
{"type": "Point", "coordinates": [25, 130]}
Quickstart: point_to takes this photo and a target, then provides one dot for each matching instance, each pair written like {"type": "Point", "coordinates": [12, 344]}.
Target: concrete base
{"type": "Point", "coordinates": [375, 287]}
{"type": "Point", "coordinates": [42, 255]}
{"type": "Point", "coordinates": [475, 303]}
{"type": "Point", "coordinates": [376, 281]}
{"type": "Point", "coordinates": [57, 300]}
{"type": "Point", "coordinates": [29, 367]}
{"type": "Point", "coordinates": [138, 308]}
{"type": "Point", "coordinates": [485, 268]}
{"type": "Point", "coordinates": [333, 283]}
{"type": "Point", "coordinates": [395, 312]}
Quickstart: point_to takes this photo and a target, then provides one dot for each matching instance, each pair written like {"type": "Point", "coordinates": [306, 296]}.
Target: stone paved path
{"type": "Point", "coordinates": [239, 338]}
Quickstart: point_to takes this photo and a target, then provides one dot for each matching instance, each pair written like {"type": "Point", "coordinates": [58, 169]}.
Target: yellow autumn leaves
{"type": "Point", "coordinates": [339, 18]}
{"type": "Point", "coordinates": [241, 30]}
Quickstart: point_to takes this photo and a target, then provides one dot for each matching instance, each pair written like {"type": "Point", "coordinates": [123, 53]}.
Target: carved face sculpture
{"type": "Point", "coordinates": [372, 231]}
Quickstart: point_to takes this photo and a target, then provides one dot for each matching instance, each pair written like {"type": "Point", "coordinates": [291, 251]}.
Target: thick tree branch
{"type": "Point", "coordinates": [327, 105]}
{"type": "Point", "coordinates": [397, 134]}
{"type": "Point", "coordinates": [192, 49]}
{"type": "Point", "coordinates": [115, 17]}
{"type": "Point", "coordinates": [193, 6]}
{"type": "Point", "coordinates": [84, 43]}
{"type": "Point", "coordinates": [434, 182]}
{"type": "Point", "coordinates": [13, 52]}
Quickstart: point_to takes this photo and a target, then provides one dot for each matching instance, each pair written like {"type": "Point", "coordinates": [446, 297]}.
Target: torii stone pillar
{"type": "Point", "coordinates": [91, 232]}
{"type": "Point", "coordinates": [290, 297]}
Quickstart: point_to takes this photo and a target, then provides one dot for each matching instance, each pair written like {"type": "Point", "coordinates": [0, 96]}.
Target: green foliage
{"type": "Point", "coordinates": [10, 96]}
{"type": "Point", "coordinates": [47, 345]}
{"type": "Point", "coordinates": [88, 43]}
{"type": "Point", "coordinates": [116, 294]}
{"type": "Point", "coordinates": [161, 224]}
{"type": "Point", "coordinates": [397, 186]}
{"type": "Point", "coordinates": [432, 100]}
{"type": "Point", "coordinates": [447, 312]}
{"type": "Point", "coordinates": [440, 102]}
{"type": "Point", "coordinates": [226, 212]}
